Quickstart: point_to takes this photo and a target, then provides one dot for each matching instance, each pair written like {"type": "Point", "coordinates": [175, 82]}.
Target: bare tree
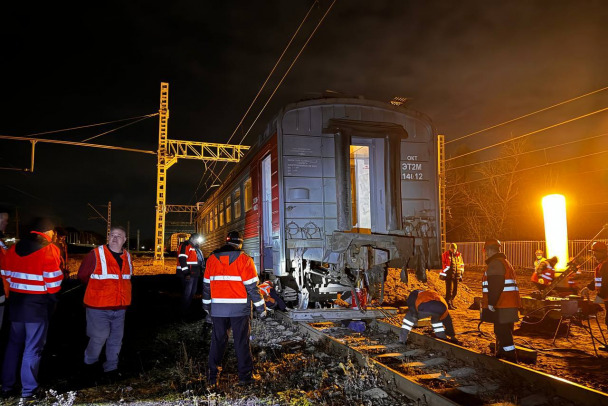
{"type": "Point", "coordinates": [486, 202]}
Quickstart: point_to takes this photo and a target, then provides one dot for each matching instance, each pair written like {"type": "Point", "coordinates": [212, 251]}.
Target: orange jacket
{"type": "Point", "coordinates": [187, 258]}
{"type": "Point", "coordinates": [265, 288]}
{"type": "Point", "coordinates": [547, 274]}
{"type": "Point", "coordinates": [429, 295]}
{"type": "Point", "coordinates": [456, 262]}
{"type": "Point", "coordinates": [230, 284]}
{"type": "Point", "coordinates": [37, 273]}
{"type": "Point", "coordinates": [109, 286]}
{"type": "Point", "coordinates": [509, 297]}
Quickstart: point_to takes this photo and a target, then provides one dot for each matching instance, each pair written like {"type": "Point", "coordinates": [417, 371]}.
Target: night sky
{"type": "Point", "coordinates": [468, 65]}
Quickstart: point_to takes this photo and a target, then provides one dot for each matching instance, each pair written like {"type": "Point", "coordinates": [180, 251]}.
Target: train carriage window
{"type": "Point", "coordinates": [215, 218]}
{"type": "Point", "coordinates": [237, 203]}
{"type": "Point", "coordinates": [248, 195]}
{"type": "Point", "coordinates": [221, 214]}
{"type": "Point", "coordinates": [228, 209]}
{"type": "Point", "coordinates": [360, 187]}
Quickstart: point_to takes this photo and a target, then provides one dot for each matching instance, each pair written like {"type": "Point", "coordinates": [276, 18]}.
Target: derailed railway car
{"type": "Point", "coordinates": [335, 191]}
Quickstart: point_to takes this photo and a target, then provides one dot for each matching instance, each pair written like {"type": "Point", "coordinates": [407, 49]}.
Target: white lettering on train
{"type": "Point", "coordinates": [406, 166]}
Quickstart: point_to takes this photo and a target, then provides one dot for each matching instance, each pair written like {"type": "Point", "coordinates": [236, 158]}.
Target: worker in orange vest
{"type": "Point", "coordinates": [426, 303]}
{"type": "Point", "coordinates": [500, 300]}
{"type": "Point", "coordinates": [271, 297]}
{"type": "Point", "coordinates": [535, 278]}
{"type": "Point", "coordinates": [600, 281]}
{"type": "Point", "coordinates": [546, 270]}
{"type": "Point", "coordinates": [32, 269]}
{"type": "Point", "coordinates": [106, 271]}
{"type": "Point", "coordinates": [190, 266]}
{"type": "Point", "coordinates": [453, 269]}
{"type": "Point", "coordinates": [230, 288]}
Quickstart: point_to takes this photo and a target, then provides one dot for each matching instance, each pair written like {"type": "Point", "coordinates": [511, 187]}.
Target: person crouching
{"type": "Point", "coordinates": [426, 303]}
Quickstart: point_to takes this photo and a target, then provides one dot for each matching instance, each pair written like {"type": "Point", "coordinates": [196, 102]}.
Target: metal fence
{"type": "Point", "coordinates": [521, 253]}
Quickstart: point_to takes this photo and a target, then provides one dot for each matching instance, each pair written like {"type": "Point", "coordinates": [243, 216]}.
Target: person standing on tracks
{"type": "Point", "coordinates": [190, 266]}
{"type": "Point", "coordinates": [426, 303]}
{"type": "Point", "coordinates": [230, 287]}
{"type": "Point", "coordinates": [600, 281]}
{"type": "Point", "coordinates": [106, 271]}
{"type": "Point", "coordinates": [453, 269]}
{"type": "Point", "coordinates": [32, 269]}
{"type": "Point", "coordinates": [500, 301]}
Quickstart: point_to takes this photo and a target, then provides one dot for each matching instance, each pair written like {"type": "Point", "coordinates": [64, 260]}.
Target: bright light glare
{"type": "Point", "coordinates": [556, 228]}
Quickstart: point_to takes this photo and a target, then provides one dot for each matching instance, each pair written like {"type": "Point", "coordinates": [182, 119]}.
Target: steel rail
{"type": "Point", "coordinates": [403, 384]}
{"type": "Point", "coordinates": [548, 384]}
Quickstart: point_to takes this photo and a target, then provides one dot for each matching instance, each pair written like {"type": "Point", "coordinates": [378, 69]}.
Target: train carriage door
{"type": "Point", "coordinates": [368, 189]}
{"type": "Point", "coordinates": [367, 186]}
{"type": "Point", "coordinates": [266, 214]}
{"type": "Point", "coordinates": [360, 186]}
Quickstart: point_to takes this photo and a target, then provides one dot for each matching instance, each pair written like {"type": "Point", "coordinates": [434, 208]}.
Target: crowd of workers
{"type": "Point", "coordinates": [32, 276]}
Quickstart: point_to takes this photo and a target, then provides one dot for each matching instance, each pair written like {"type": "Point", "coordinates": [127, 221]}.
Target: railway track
{"type": "Point", "coordinates": [437, 373]}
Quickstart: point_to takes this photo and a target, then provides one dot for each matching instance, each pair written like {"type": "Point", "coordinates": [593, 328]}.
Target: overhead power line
{"type": "Point", "coordinates": [527, 115]}
{"type": "Point", "coordinates": [75, 143]}
{"type": "Point", "coordinates": [527, 134]}
{"type": "Point", "coordinates": [91, 125]}
{"type": "Point", "coordinates": [530, 168]}
{"type": "Point", "coordinates": [259, 92]}
{"type": "Point", "coordinates": [527, 152]}
{"type": "Point", "coordinates": [118, 128]}
{"type": "Point", "coordinates": [285, 75]}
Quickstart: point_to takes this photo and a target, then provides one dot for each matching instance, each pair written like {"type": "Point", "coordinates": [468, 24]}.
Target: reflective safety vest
{"type": "Point", "coordinates": [458, 263]}
{"type": "Point", "coordinates": [230, 275]}
{"type": "Point", "coordinates": [189, 254]}
{"type": "Point", "coordinates": [429, 295]}
{"type": "Point", "coordinates": [548, 275]}
{"type": "Point", "coordinates": [36, 274]}
{"type": "Point", "coordinates": [441, 324]}
{"type": "Point", "coordinates": [265, 288]}
{"type": "Point", "coordinates": [598, 275]}
{"type": "Point", "coordinates": [509, 297]}
{"type": "Point", "coordinates": [109, 286]}
{"type": "Point", "coordinates": [537, 262]}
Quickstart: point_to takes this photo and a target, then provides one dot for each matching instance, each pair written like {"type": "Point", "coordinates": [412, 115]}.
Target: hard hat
{"type": "Point", "coordinates": [492, 243]}
{"type": "Point", "coordinates": [539, 252]}
{"type": "Point", "coordinates": [234, 237]}
{"type": "Point", "coordinates": [454, 246]}
{"type": "Point", "coordinates": [598, 246]}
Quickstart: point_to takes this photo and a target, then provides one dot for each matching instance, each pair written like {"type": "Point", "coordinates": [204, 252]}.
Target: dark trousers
{"type": "Point", "coordinates": [504, 336]}
{"type": "Point", "coordinates": [451, 285]}
{"type": "Point", "coordinates": [278, 302]}
{"type": "Point", "coordinates": [189, 287]}
{"type": "Point", "coordinates": [25, 344]}
{"type": "Point", "coordinates": [219, 339]}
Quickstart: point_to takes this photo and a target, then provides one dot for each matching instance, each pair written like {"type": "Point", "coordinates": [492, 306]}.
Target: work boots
{"type": "Point", "coordinates": [451, 305]}
{"type": "Point", "coordinates": [510, 356]}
